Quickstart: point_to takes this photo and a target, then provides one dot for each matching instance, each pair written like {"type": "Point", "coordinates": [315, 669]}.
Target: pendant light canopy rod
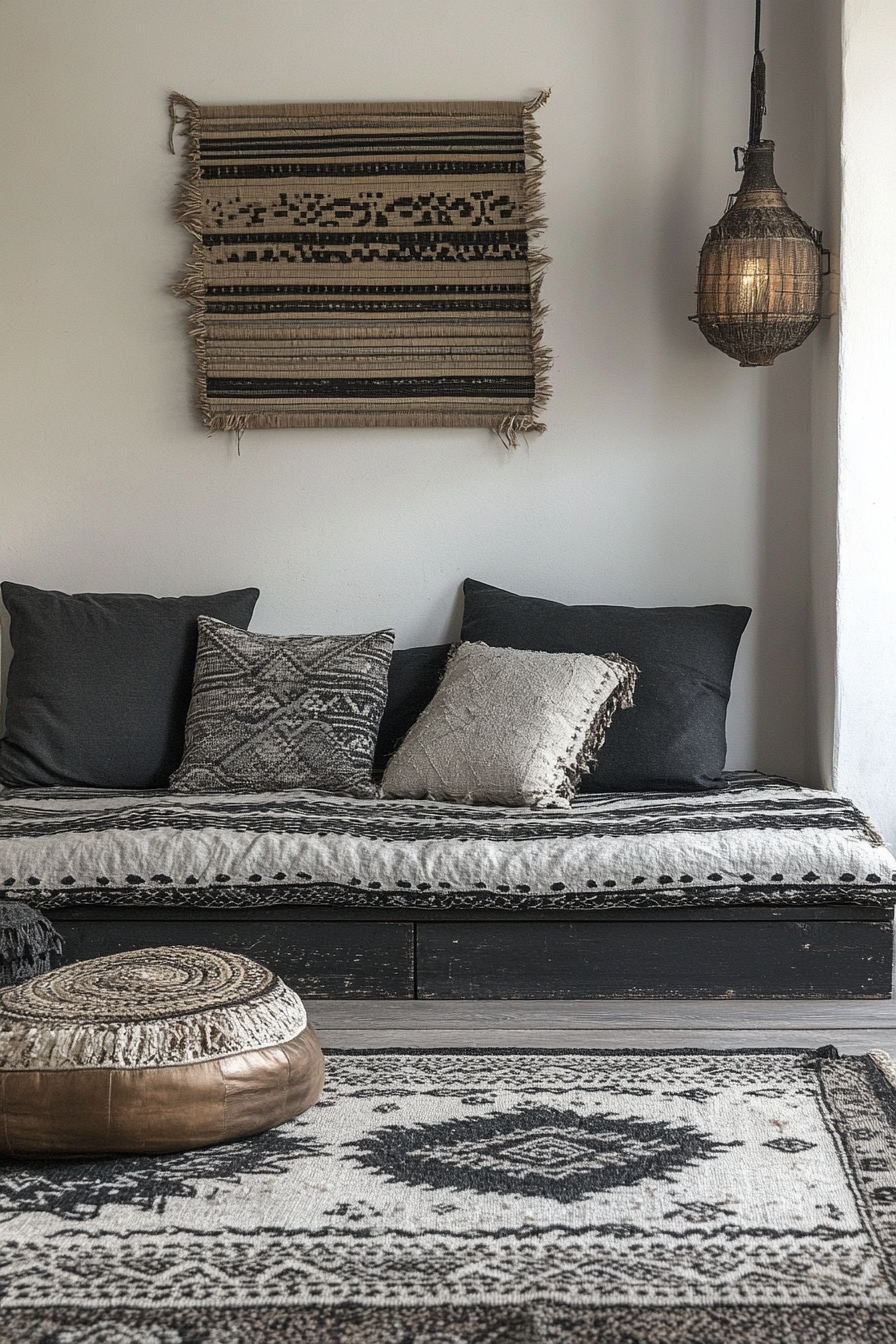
{"type": "Point", "coordinates": [757, 85]}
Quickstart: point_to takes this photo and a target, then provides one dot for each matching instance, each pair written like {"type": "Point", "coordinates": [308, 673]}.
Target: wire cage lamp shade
{"type": "Point", "coordinates": [760, 278]}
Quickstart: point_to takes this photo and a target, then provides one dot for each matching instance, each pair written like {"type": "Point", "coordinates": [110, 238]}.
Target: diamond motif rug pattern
{"type": "Point", "coordinates": [488, 1197]}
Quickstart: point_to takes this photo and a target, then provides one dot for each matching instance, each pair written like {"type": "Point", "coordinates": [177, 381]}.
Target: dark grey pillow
{"type": "Point", "coordinates": [414, 676]}
{"type": "Point", "coordinates": [273, 712]}
{"type": "Point", "coordinates": [99, 684]}
{"type": "Point", "coordinates": [674, 737]}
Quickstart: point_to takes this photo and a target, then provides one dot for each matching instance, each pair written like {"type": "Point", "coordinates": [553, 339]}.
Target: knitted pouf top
{"type": "Point", "coordinates": [146, 1009]}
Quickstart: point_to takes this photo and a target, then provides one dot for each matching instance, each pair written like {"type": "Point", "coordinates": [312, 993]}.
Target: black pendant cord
{"type": "Point", "coordinates": [757, 85]}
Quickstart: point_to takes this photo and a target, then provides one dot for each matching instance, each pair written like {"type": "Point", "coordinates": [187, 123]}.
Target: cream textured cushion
{"type": "Point", "coordinates": [510, 726]}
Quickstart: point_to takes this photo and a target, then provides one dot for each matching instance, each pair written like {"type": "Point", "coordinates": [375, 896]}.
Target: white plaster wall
{"type": "Point", "coordinates": [668, 475]}
{"type": "Point", "coordinates": [865, 729]}
{"type": "Point", "coordinates": [825, 171]}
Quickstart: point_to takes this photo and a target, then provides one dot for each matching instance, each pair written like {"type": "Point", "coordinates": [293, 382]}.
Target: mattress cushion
{"type": "Point", "coordinates": [763, 840]}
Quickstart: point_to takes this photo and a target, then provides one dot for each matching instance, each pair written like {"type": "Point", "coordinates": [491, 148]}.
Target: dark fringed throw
{"type": "Point", "coordinates": [27, 943]}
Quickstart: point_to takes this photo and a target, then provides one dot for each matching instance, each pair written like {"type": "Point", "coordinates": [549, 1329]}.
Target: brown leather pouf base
{"type": "Point", "coordinates": [151, 1051]}
{"type": "Point", "coordinates": [79, 1112]}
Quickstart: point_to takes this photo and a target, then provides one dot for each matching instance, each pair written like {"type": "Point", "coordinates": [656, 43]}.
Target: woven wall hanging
{"type": "Point", "coordinates": [365, 264]}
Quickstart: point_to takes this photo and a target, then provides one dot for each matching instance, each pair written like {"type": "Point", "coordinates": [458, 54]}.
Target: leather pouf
{"type": "Point", "coordinates": [151, 1051]}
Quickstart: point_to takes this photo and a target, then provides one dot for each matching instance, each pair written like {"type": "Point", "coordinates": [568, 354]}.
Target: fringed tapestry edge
{"type": "Point", "coordinates": [188, 212]}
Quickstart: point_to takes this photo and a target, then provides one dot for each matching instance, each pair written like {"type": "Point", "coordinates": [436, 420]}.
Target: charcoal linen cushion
{"type": "Point", "coordinates": [99, 684]}
{"type": "Point", "coordinates": [284, 711]}
{"type": "Point", "coordinates": [414, 676]}
{"type": "Point", "coordinates": [674, 737]}
{"type": "Point", "coordinates": [510, 726]}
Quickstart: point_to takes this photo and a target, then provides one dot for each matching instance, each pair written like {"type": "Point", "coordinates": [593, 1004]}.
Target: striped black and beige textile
{"type": "Point", "coordinates": [762, 841]}
{"type": "Point", "coordinates": [365, 264]}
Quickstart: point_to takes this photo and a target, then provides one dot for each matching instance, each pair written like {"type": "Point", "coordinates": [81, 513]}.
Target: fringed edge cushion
{"type": "Point", "coordinates": [511, 726]}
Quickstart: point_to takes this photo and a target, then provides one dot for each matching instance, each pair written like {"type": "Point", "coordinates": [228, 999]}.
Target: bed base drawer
{"type": "Point", "coordinates": [748, 952]}
{"type": "Point", "coordinates": [699, 959]}
{"type": "Point", "coordinates": [323, 960]}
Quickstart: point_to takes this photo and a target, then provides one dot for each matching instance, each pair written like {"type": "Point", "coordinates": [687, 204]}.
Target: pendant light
{"type": "Point", "coordinates": [759, 283]}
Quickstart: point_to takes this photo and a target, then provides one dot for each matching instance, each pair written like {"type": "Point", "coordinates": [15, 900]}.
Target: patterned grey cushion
{"type": "Point", "coordinates": [284, 712]}
{"type": "Point", "coordinates": [510, 726]}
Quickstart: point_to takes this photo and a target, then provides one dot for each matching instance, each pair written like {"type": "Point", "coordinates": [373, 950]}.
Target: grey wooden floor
{"type": "Point", "coordinates": [610, 1024]}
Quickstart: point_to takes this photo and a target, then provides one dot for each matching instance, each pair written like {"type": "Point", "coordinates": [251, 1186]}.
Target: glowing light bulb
{"type": "Point", "coordinates": [753, 285]}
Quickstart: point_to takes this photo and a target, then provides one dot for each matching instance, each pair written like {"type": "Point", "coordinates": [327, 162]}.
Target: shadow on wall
{"type": "Point", "coordinates": [778, 399]}
{"type": "Point", "coordinates": [782, 608]}
{"type": "Point", "coordinates": [803, 119]}
{"type": "Point", "coordinates": [803, 100]}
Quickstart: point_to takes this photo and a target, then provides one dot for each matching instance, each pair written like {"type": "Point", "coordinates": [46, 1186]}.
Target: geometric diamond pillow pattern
{"type": "Point", "coordinates": [284, 711]}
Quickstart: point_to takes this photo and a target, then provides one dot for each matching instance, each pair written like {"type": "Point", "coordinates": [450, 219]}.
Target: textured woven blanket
{"type": "Point", "coordinates": [763, 841]}
{"type": "Point", "coordinates": [27, 942]}
{"type": "Point", "coordinates": [488, 1197]}
{"type": "Point", "coordinates": [365, 264]}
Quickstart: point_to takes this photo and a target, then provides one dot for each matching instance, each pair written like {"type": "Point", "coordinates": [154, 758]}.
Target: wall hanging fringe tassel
{"type": "Point", "coordinates": [365, 264]}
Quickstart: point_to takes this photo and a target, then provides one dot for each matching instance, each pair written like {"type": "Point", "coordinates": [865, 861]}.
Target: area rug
{"type": "Point", "coordinates": [365, 263]}
{"type": "Point", "coordinates": [489, 1197]}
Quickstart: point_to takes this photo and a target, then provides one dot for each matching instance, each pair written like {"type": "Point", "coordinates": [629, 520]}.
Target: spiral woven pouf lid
{"type": "Point", "coordinates": [155, 1050]}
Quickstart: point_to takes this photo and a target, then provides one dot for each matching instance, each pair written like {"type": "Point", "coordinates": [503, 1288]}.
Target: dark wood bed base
{"type": "Point", "coordinates": [738, 952]}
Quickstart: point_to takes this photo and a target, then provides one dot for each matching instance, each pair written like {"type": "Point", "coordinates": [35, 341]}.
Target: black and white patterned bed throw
{"type": "Point", "coordinates": [761, 841]}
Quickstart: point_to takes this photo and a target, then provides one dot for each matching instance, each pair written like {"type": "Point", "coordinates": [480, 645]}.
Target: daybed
{"type": "Point", "coordinates": [763, 889]}
{"type": "Point", "coordinates": [216, 786]}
